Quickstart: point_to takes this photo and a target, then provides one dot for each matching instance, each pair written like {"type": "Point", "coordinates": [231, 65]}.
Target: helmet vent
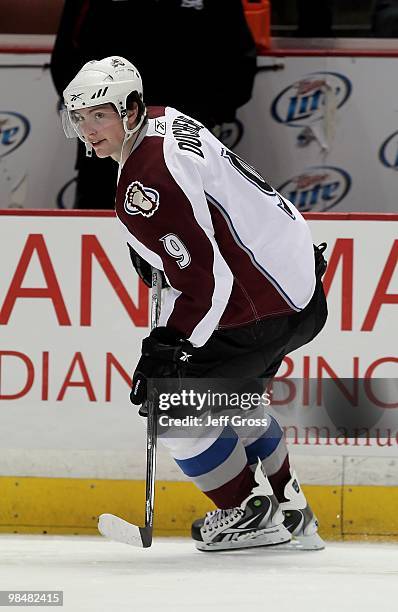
{"type": "Point", "coordinates": [100, 93]}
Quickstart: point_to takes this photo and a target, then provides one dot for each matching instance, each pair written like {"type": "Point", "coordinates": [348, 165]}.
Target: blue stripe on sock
{"type": "Point", "coordinates": [212, 457]}
{"type": "Point", "coordinates": [266, 445]}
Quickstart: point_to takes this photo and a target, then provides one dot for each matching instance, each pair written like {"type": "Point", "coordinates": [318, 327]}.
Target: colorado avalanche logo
{"type": "Point", "coordinates": [140, 200]}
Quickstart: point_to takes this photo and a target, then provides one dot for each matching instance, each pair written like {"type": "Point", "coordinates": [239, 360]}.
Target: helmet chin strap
{"type": "Point", "coordinates": [127, 135]}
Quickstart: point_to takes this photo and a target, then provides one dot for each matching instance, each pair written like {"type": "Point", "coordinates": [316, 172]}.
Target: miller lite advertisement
{"type": "Point", "coordinates": [36, 160]}
{"type": "Point", "coordinates": [320, 130]}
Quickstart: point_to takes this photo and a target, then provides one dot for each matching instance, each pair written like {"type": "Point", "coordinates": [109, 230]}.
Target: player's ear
{"type": "Point", "coordinates": [132, 114]}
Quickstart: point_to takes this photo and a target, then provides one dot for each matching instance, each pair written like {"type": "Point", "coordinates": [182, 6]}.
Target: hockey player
{"type": "Point", "coordinates": [244, 290]}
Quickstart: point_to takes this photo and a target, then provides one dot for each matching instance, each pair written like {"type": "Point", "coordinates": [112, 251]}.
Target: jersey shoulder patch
{"type": "Point", "coordinates": [160, 126]}
{"type": "Point", "coordinates": [141, 200]}
{"type": "Point", "coordinates": [157, 127]}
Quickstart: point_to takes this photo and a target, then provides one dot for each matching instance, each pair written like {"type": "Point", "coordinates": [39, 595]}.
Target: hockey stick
{"type": "Point", "coordinates": [112, 526]}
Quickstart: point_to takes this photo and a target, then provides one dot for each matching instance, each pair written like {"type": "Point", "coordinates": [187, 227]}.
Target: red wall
{"type": "Point", "coordinates": [30, 16]}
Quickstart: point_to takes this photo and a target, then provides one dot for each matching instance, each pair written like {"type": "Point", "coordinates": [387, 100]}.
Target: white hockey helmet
{"type": "Point", "coordinates": [110, 80]}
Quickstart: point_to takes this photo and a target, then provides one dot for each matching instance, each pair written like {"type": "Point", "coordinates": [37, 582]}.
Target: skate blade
{"type": "Point", "coordinates": [308, 542]}
{"type": "Point", "coordinates": [272, 536]}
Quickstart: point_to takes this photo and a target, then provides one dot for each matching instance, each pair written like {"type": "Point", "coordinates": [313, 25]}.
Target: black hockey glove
{"type": "Point", "coordinates": [164, 355]}
{"type": "Point", "coordinates": [320, 261]}
{"type": "Point", "coordinates": [143, 269]}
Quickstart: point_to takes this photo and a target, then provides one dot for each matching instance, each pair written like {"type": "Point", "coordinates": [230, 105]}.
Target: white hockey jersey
{"type": "Point", "coordinates": [233, 250]}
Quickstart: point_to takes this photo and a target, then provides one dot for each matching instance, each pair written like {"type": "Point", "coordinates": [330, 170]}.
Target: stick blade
{"type": "Point", "coordinates": [119, 530]}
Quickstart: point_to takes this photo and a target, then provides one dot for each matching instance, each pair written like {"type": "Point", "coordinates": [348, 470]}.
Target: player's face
{"type": "Point", "coordinates": [102, 127]}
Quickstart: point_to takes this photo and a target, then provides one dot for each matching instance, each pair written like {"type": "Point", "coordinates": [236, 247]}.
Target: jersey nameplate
{"type": "Point", "coordinates": [186, 131]}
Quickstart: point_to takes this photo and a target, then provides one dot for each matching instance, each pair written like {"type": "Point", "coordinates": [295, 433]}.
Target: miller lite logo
{"type": "Point", "coordinates": [388, 152]}
{"type": "Point", "coordinates": [14, 130]}
{"type": "Point", "coordinates": [304, 101]}
{"type": "Point", "coordinates": [230, 134]}
{"type": "Point", "coordinates": [140, 200]}
{"type": "Point", "coordinates": [317, 188]}
{"type": "Point", "coordinates": [66, 195]}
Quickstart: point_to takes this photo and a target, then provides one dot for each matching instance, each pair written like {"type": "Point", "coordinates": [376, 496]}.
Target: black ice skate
{"type": "Point", "coordinates": [299, 520]}
{"type": "Point", "coordinates": [257, 522]}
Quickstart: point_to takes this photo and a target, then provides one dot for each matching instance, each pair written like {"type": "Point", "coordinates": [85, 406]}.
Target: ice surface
{"type": "Point", "coordinates": [99, 575]}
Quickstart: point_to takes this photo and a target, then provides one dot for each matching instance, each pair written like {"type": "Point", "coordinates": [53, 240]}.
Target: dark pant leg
{"type": "Point", "coordinates": [295, 331]}
{"type": "Point", "coordinates": [256, 350]}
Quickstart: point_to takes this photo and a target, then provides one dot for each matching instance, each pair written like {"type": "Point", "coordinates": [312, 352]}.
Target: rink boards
{"type": "Point", "coordinates": [300, 128]}
{"type": "Point", "coordinates": [72, 316]}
